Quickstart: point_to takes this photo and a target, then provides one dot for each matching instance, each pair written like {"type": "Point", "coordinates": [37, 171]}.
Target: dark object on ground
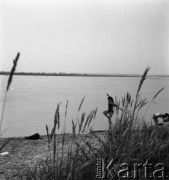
{"type": "Point", "coordinates": [33, 137]}
{"type": "Point", "coordinates": [165, 118]}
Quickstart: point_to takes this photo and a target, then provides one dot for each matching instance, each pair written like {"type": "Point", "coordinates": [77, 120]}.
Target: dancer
{"type": "Point", "coordinates": [109, 113]}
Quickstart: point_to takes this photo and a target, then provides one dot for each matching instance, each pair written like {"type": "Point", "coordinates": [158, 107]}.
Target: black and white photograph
{"type": "Point", "coordinates": [84, 89]}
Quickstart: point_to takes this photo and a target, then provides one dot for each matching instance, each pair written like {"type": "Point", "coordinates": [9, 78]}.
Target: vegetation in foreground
{"type": "Point", "coordinates": [132, 148]}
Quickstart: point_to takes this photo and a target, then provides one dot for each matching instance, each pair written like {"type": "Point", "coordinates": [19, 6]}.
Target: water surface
{"type": "Point", "coordinates": [32, 100]}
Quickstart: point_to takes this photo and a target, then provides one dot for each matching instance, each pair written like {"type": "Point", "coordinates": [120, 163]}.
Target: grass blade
{"type": "Point", "coordinates": [82, 120]}
{"type": "Point", "coordinates": [12, 71]}
{"type": "Point", "coordinates": [7, 88]}
{"type": "Point", "coordinates": [158, 93]}
{"type": "Point", "coordinates": [142, 80]}
{"type": "Point", "coordinates": [66, 108]}
{"type": "Point", "coordinates": [81, 104]}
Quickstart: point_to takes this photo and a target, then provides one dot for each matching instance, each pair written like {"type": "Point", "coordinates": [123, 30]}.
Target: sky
{"type": "Point", "coordinates": [85, 36]}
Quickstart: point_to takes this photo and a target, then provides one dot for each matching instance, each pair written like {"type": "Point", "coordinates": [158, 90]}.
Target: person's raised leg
{"type": "Point", "coordinates": [109, 119]}
{"type": "Point", "coordinates": [106, 113]}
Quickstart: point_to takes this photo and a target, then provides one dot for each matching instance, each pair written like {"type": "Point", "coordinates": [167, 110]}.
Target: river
{"type": "Point", "coordinates": [32, 100]}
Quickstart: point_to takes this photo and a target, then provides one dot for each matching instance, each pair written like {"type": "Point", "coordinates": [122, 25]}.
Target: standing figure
{"type": "Point", "coordinates": [109, 113]}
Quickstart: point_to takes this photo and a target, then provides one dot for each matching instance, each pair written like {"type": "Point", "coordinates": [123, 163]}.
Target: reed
{"type": "Point", "coordinates": [79, 108]}
{"type": "Point", "coordinates": [152, 100]}
{"type": "Point", "coordinates": [81, 103]}
{"type": "Point", "coordinates": [7, 88]}
{"type": "Point", "coordinates": [65, 164]}
{"type": "Point", "coordinates": [4, 102]}
{"type": "Point", "coordinates": [131, 140]}
{"type": "Point", "coordinates": [138, 90]}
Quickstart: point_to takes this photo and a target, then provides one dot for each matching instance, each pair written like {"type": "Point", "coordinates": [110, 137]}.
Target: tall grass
{"type": "Point", "coordinates": [131, 140]}
{"type": "Point", "coordinates": [67, 162]}
{"type": "Point", "coordinates": [5, 98]}
{"type": "Point", "coordinates": [7, 88]}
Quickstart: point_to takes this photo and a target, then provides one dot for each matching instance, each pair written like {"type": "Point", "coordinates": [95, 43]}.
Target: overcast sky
{"type": "Point", "coordinates": [87, 36]}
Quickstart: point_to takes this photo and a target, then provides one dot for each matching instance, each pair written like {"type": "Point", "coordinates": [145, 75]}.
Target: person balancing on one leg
{"type": "Point", "coordinates": [109, 113]}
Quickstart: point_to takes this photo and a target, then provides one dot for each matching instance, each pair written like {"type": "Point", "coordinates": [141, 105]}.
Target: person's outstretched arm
{"type": "Point", "coordinates": [115, 105]}
{"type": "Point", "coordinates": [118, 107]}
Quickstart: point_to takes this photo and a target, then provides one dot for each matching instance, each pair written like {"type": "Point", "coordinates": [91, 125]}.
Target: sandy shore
{"type": "Point", "coordinates": [25, 153]}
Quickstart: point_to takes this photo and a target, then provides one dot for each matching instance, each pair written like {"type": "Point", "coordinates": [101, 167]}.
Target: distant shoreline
{"type": "Point", "coordinates": [79, 74]}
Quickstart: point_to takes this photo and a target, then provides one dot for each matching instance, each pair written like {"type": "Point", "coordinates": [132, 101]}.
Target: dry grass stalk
{"type": "Point", "coordinates": [64, 126]}
{"type": "Point", "coordinates": [4, 145]}
{"type": "Point", "coordinates": [66, 108]}
{"type": "Point", "coordinates": [7, 88]}
{"type": "Point", "coordinates": [56, 121]}
{"type": "Point", "coordinates": [137, 94]}
{"type": "Point", "coordinates": [73, 127]}
{"type": "Point", "coordinates": [142, 80]}
{"type": "Point", "coordinates": [82, 150]}
{"type": "Point", "coordinates": [89, 117]}
{"type": "Point", "coordinates": [158, 93]}
{"type": "Point", "coordinates": [12, 71]}
{"type": "Point", "coordinates": [153, 100]}
{"type": "Point", "coordinates": [82, 120]}
{"type": "Point", "coordinates": [48, 136]}
{"type": "Point", "coordinates": [81, 104]}
{"type": "Point", "coordinates": [127, 143]}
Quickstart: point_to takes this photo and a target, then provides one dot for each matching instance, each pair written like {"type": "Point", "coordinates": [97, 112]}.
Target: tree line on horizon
{"type": "Point", "coordinates": [77, 74]}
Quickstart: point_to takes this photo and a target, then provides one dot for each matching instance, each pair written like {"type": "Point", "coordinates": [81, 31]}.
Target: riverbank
{"type": "Point", "coordinates": [24, 154]}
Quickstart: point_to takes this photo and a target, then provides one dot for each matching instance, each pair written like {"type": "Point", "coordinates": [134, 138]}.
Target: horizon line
{"type": "Point", "coordinates": [77, 74]}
